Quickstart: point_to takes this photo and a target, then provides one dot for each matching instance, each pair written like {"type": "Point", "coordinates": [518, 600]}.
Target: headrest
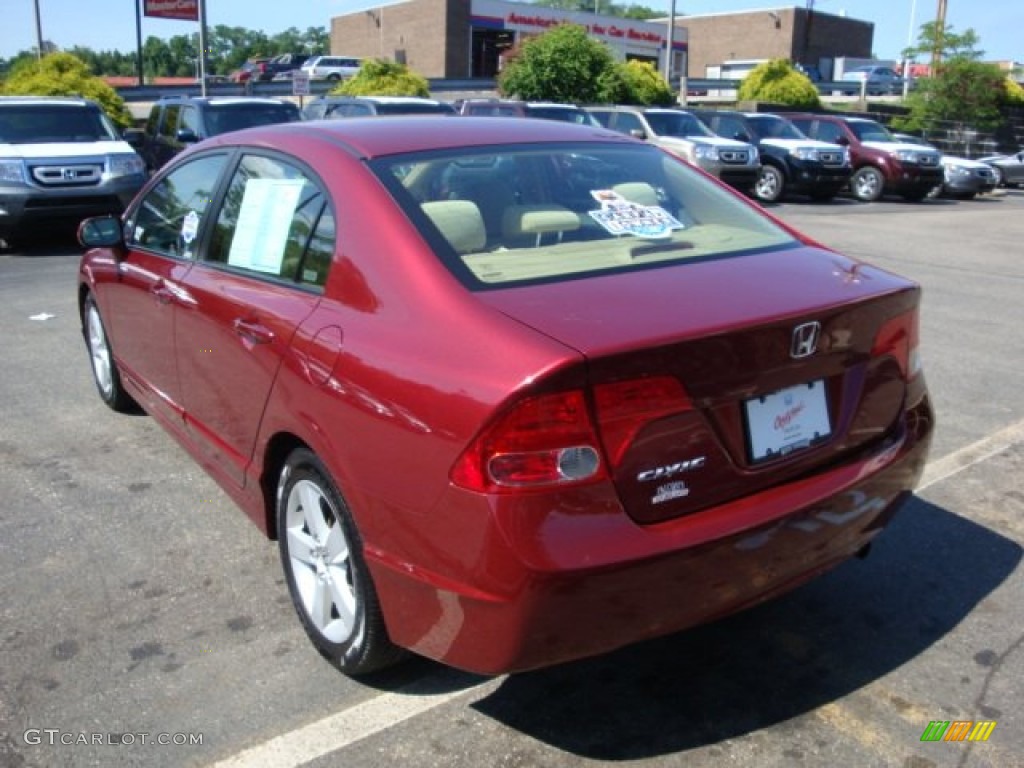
{"type": "Point", "coordinates": [522, 220]}
{"type": "Point", "coordinates": [460, 222]}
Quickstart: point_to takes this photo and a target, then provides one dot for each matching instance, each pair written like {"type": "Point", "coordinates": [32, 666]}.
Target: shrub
{"type": "Point", "coordinates": [1014, 92]}
{"type": "Point", "coordinates": [645, 85]}
{"type": "Point", "coordinates": [563, 64]}
{"type": "Point", "coordinates": [778, 82]}
{"type": "Point", "coordinates": [61, 74]}
{"type": "Point", "coordinates": [379, 77]}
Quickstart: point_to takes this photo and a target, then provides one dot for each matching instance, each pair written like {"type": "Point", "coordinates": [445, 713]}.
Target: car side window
{"type": "Point", "coordinates": [190, 120]}
{"type": "Point", "coordinates": [167, 220]}
{"type": "Point", "coordinates": [627, 121]}
{"type": "Point", "coordinates": [829, 132]}
{"type": "Point", "coordinates": [170, 124]}
{"type": "Point", "coordinates": [276, 222]}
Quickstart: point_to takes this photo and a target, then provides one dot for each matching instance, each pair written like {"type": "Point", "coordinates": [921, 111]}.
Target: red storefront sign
{"type": "Point", "coordinates": [187, 10]}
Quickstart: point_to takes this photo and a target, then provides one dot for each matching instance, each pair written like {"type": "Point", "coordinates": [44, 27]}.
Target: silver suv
{"type": "Point", "coordinates": [61, 159]}
{"type": "Point", "coordinates": [735, 162]}
{"type": "Point", "coordinates": [332, 68]}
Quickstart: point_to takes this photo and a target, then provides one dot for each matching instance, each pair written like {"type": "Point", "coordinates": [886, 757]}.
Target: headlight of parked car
{"type": "Point", "coordinates": [11, 170]}
{"type": "Point", "coordinates": [125, 165]}
{"type": "Point", "coordinates": [906, 155]}
{"type": "Point", "coordinates": [705, 152]}
{"type": "Point", "coordinates": [804, 153]}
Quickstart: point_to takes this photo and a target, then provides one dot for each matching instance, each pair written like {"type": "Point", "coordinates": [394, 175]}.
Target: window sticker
{"type": "Point", "coordinates": [261, 233]}
{"type": "Point", "coordinates": [189, 227]}
{"type": "Point", "coordinates": [621, 217]}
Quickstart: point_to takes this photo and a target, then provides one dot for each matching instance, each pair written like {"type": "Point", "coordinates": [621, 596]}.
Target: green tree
{"type": "Point", "coordinates": [645, 85]}
{"type": "Point", "coordinates": [949, 44]}
{"type": "Point", "coordinates": [61, 74]}
{"type": "Point", "coordinates": [563, 64]}
{"type": "Point", "coordinates": [963, 91]}
{"type": "Point", "coordinates": [379, 77]}
{"type": "Point", "coordinates": [777, 82]}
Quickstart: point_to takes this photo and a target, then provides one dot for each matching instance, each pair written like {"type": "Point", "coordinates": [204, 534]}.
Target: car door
{"type": "Point", "coordinates": [141, 303]}
{"type": "Point", "coordinates": [260, 273]}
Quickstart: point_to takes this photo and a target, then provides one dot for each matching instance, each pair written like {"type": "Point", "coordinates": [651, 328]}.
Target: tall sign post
{"type": "Point", "coordinates": [182, 10]}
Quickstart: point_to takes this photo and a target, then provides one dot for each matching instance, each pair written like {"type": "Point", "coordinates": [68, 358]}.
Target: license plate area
{"type": "Point", "coordinates": [787, 421]}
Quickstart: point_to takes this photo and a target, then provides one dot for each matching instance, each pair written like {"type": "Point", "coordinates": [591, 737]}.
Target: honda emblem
{"type": "Point", "coordinates": [805, 340]}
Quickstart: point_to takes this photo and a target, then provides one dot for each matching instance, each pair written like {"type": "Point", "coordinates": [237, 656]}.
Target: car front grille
{"type": "Point", "coordinates": [734, 156]}
{"type": "Point", "coordinates": [67, 175]}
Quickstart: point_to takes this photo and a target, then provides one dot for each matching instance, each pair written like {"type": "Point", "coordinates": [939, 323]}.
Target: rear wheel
{"type": "Point", "coordinates": [104, 369]}
{"type": "Point", "coordinates": [333, 77]}
{"type": "Point", "coordinates": [327, 577]}
{"type": "Point", "coordinates": [770, 184]}
{"type": "Point", "coordinates": [867, 184]}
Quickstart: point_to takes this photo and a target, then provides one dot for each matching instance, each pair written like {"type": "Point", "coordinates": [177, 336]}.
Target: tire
{"type": "Point", "coordinates": [327, 577]}
{"type": "Point", "coordinates": [770, 184]}
{"type": "Point", "coordinates": [867, 184]}
{"type": "Point", "coordinates": [333, 77]}
{"type": "Point", "coordinates": [104, 370]}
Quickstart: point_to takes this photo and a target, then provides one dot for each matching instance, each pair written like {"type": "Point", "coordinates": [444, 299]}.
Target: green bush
{"type": "Point", "coordinates": [61, 74]}
{"type": "Point", "coordinates": [645, 85]}
{"type": "Point", "coordinates": [379, 77]}
{"type": "Point", "coordinates": [563, 64]}
{"type": "Point", "coordinates": [1014, 92]}
{"type": "Point", "coordinates": [777, 82]}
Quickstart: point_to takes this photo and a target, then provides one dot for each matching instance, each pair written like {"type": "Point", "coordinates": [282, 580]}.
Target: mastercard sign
{"type": "Point", "coordinates": [187, 10]}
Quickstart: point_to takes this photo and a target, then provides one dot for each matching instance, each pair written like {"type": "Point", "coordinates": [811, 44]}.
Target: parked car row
{"type": "Point", "coordinates": [767, 156]}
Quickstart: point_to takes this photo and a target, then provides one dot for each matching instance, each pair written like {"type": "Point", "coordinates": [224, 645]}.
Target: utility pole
{"type": "Point", "coordinates": [940, 32]}
{"type": "Point", "coordinates": [39, 33]}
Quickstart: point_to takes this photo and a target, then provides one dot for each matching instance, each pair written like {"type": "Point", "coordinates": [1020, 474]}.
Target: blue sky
{"type": "Point", "coordinates": [110, 24]}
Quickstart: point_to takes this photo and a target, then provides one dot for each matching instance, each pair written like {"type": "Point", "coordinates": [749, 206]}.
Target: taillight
{"type": "Point", "coordinates": [543, 441]}
{"type": "Point", "coordinates": [898, 338]}
{"type": "Point", "coordinates": [624, 407]}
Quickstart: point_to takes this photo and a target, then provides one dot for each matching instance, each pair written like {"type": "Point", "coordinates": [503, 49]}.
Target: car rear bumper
{"type": "Point", "coordinates": [548, 583]}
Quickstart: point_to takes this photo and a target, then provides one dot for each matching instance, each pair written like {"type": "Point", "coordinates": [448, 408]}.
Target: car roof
{"type": "Point", "coordinates": [217, 101]}
{"type": "Point", "coordinates": [61, 101]}
{"type": "Point", "coordinates": [378, 136]}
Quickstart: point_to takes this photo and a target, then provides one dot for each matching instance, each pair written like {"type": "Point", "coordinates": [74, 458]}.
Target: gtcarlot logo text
{"type": "Point", "coordinates": [54, 736]}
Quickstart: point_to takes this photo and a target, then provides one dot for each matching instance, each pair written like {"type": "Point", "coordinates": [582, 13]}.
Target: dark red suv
{"type": "Point", "coordinates": [881, 163]}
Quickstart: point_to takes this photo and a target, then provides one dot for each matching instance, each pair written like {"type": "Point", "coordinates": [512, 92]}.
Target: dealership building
{"type": "Point", "coordinates": [469, 38]}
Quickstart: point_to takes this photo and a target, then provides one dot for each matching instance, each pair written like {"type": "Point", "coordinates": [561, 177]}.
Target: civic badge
{"type": "Point", "coordinates": [805, 340]}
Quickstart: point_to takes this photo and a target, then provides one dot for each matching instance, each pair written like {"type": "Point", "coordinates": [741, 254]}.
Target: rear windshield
{"type": "Point", "coordinates": [521, 214]}
{"type": "Point", "coordinates": [50, 124]}
{"type": "Point", "coordinates": [222, 118]}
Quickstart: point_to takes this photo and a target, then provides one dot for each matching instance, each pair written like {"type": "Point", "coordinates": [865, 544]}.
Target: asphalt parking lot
{"type": "Point", "coordinates": [145, 621]}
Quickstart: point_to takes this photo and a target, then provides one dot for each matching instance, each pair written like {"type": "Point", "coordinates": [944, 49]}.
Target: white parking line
{"type": "Point", "coordinates": [349, 726]}
{"type": "Point", "coordinates": [382, 712]}
{"type": "Point", "coordinates": [972, 454]}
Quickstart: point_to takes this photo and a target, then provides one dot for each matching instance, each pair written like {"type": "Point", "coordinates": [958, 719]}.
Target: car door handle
{"type": "Point", "coordinates": [255, 332]}
{"type": "Point", "coordinates": [163, 294]}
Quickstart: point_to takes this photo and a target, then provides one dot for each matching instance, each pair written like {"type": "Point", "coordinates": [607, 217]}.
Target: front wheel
{"type": "Point", "coordinates": [867, 184]}
{"type": "Point", "coordinates": [770, 184]}
{"type": "Point", "coordinates": [104, 369]}
{"type": "Point", "coordinates": [327, 577]}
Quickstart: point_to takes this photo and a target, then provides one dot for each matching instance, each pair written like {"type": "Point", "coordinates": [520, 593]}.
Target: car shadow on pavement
{"type": "Point", "coordinates": [926, 573]}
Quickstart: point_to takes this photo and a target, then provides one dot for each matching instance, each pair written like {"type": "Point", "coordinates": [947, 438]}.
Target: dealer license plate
{"type": "Point", "coordinates": [788, 420]}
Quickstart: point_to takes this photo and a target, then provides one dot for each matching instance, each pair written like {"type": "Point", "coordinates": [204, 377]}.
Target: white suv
{"type": "Point", "coordinates": [332, 67]}
{"type": "Point", "coordinates": [61, 159]}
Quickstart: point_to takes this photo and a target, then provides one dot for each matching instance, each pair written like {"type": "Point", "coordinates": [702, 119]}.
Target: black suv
{"type": "Point", "coordinates": [790, 162]}
{"type": "Point", "coordinates": [61, 160]}
{"type": "Point", "coordinates": [177, 122]}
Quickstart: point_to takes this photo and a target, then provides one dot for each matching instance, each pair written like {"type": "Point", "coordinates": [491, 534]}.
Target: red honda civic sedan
{"type": "Point", "coordinates": [506, 392]}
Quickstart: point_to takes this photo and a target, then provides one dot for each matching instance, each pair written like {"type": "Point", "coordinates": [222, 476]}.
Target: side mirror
{"type": "Point", "coordinates": [743, 136]}
{"type": "Point", "coordinates": [134, 137]}
{"type": "Point", "coordinates": [186, 136]}
{"type": "Point", "coordinates": [842, 141]}
{"type": "Point", "coordinates": [101, 232]}
{"type": "Point", "coordinates": [638, 133]}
